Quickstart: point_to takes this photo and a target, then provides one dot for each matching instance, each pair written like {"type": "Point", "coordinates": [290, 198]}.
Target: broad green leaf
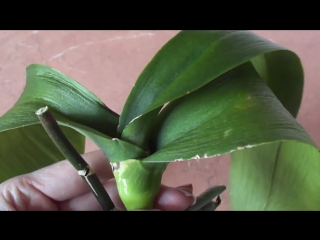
{"type": "Point", "coordinates": [115, 149]}
{"type": "Point", "coordinates": [194, 58]}
{"type": "Point", "coordinates": [276, 176]}
{"type": "Point", "coordinates": [25, 146]}
{"type": "Point", "coordinates": [64, 95]}
{"type": "Point", "coordinates": [26, 149]}
{"type": "Point", "coordinates": [234, 112]}
{"type": "Point", "coordinates": [284, 75]}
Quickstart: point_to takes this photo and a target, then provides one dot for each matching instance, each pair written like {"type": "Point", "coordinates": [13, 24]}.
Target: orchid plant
{"type": "Point", "coordinates": [204, 93]}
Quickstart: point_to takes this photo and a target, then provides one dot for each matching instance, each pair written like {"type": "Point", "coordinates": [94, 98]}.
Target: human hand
{"type": "Point", "coordinates": [58, 187]}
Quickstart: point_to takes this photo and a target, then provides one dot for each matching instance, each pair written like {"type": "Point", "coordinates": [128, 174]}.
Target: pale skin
{"type": "Point", "coordinates": [59, 188]}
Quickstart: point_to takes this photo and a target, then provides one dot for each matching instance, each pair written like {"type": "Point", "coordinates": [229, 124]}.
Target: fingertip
{"type": "Point", "coordinates": [174, 199]}
{"type": "Point", "coordinates": [186, 187]}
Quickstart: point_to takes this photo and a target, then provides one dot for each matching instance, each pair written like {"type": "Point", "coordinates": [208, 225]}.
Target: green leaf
{"type": "Point", "coordinates": [206, 198]}
{"type": "Point", "coordinates": [26, 147]}
{"type": "Point", "coordinates": [234, 112]}
{"type": "Point", "coordinates": [115, 149]}
{"type": "Point", "coordinates": [64, 95]}
{"type": "Point", "coordinates": [194, 58]}
{"type": "Point", "coordinates": [276, 176]}
{"type": "Point", "coordinates": [211, 206]}
{"type": "Point", "coordinates": [284, 75]}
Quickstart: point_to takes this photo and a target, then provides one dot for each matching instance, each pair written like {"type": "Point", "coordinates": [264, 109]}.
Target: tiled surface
{"type": "Point", "coordinates": [109, 62]}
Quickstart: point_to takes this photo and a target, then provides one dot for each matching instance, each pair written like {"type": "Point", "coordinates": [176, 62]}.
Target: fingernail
{"type": "Point", "coordinates": [186, 187]}
{"type": "Point", "coordinates": [184, 192]}
{"type": "Point", "coordinates": [188, 195]}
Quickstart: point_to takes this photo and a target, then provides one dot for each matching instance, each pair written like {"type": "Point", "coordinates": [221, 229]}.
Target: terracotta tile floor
{"type": "Point", "coordinates": [109, 62]}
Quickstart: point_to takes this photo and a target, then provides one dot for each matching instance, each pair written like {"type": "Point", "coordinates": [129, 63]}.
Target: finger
{"type": "Point", "coordinates": [168, 199]}
{"type": "Point", "coordinates": [18, 195]}
{"type": "Point", "coordinates": [61, 181]}
{"type": "Point", "coordinates": [174, 199]}
{"type": "Point", "coordinates": [87, 202]}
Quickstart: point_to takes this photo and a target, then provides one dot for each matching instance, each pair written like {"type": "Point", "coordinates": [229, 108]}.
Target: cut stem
{"type": "Point", "coordinates": [84, 170]}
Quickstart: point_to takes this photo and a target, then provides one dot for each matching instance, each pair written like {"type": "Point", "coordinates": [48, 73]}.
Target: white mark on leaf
{"type": "Point", "coordinates": [178, 160]}
{"type": "Point", "coordinates": [242, 148]}
{"type": "Point", "coordinates": [134, 119]}
{"type": "Point", "coordinates": [227, 133]}
{"type": "Point", "coordinates": [196, 157]}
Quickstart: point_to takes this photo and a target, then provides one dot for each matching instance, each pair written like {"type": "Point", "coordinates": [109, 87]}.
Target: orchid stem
{"type": "Point", "coordinates": [84, 170]}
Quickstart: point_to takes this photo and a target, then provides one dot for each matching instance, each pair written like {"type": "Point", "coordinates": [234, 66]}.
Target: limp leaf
{"type": "Point", "coordinates": [29, 148]}
{"type": "Point", "coordinates": [236, 111]}
{"type": "Point", "coordinates": [26, 147]}
{"type": "Point", "coordinates": [276, 176]}
{"type": "Point", "coordinates": [192, 59]}
{"type": "Point", "coordinates": [48, 86]}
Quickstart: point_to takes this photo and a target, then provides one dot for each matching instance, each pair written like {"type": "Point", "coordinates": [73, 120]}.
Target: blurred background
{"type": "Point", "coordinates": [108, 64]}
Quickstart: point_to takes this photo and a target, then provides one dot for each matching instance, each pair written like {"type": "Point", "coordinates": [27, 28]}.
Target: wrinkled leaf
{"type": "Point", "coordinates": [115, 149]}
{"type": "Point", "coordinates": [29, 148]}
{"type": "Point", "coordinates": [192, 59]}
{"type": "Point", "coordinates": [236, 111]}
{"type": "Point", "coordinates": [25, 146]}
{"type": "Point", "coordinates": [64, 95]}
{"type": "Point", "coordinates": [212, 111]}
{"type": "Point", "coordinates": [276, 176]}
